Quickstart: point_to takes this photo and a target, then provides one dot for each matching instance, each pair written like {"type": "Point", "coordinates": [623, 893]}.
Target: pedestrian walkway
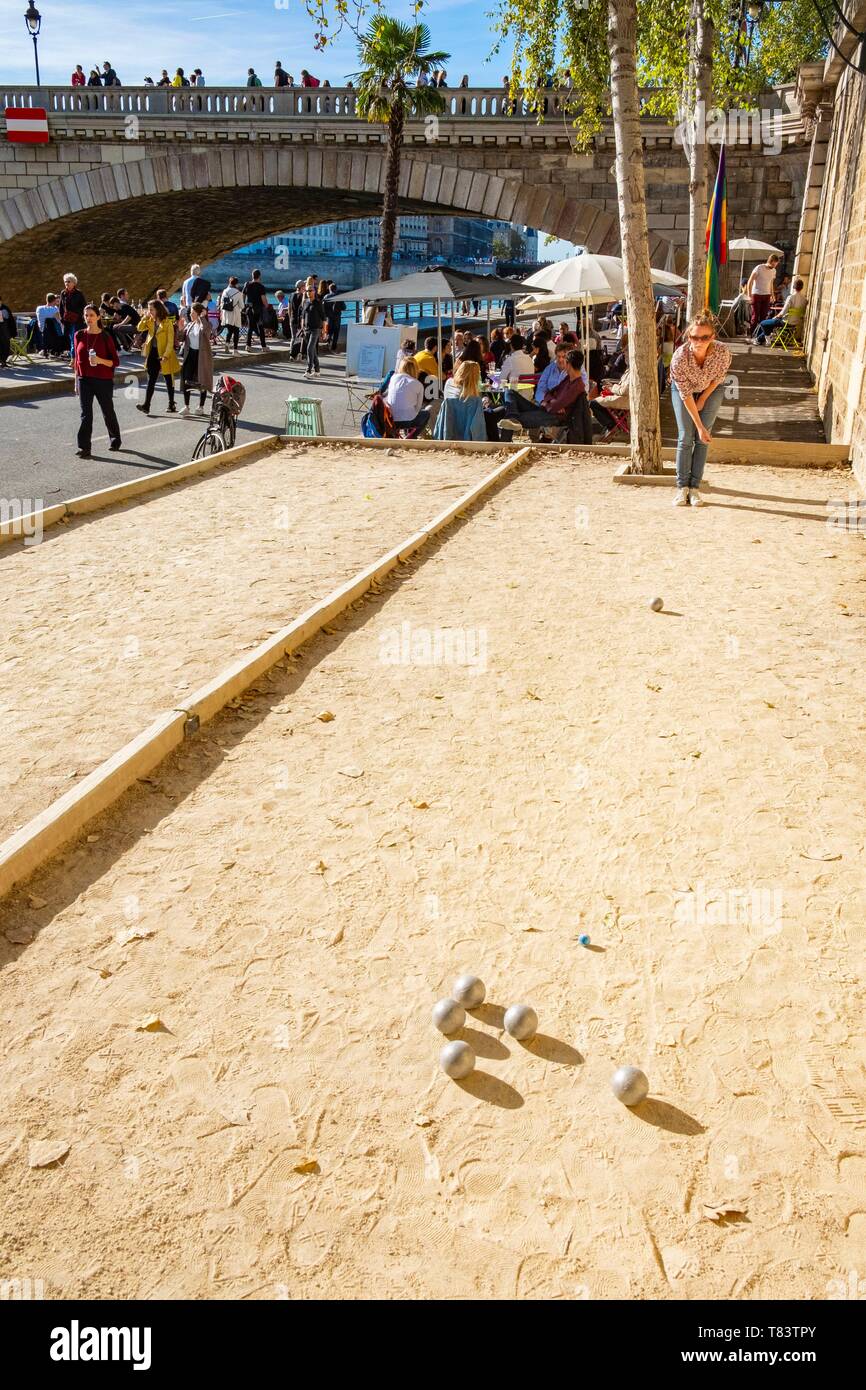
{"type": "Point", "coordinates": [44, 378]}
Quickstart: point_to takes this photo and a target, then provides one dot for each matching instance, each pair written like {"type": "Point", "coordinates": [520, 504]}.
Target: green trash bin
{"type": "Point", "coordinates": [304, 416]}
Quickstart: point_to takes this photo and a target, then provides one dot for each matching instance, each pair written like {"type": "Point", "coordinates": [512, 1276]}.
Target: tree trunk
{"type": "Point", "coordinates": [646, 450]}
{"type": "Point", "coordinates": [389, 202]}
{"type": "Point", "coordinates": [700, 92]}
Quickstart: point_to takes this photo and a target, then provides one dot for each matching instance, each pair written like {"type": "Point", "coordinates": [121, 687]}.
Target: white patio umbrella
{"type": "Point", "coordinates": [576, 283]}
{"type": "Point", "coordinates": [754, 249]}
{"type": "Point", "coordinates": [580, 281]}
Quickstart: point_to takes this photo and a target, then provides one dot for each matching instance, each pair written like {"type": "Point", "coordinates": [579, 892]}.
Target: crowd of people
{"type": "Point", "coordinates": [544, 380]}
{"type": "Point", "coordinates": [106, 76]}
{"type": "Point", "coordinates": [175, 339]}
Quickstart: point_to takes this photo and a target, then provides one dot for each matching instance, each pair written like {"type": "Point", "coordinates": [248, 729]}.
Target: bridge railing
{"type": "Point", "coordinates": [306, 103]}
{"type": "Point", "coordinates": [284, 102]}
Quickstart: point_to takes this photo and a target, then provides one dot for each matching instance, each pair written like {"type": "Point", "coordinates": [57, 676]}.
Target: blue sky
{"type": "Point", "coordinates": [222, 37]}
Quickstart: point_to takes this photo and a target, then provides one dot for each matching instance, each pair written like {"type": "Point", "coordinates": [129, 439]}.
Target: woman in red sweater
{"type": "Point", "coordinates": [95, 361]}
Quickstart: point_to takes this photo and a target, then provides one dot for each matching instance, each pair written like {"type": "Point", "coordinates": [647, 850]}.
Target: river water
{"type": "Point", "coordinates": [347, 272]}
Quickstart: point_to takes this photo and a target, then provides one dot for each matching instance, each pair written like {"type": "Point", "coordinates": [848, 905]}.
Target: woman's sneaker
{"type": "Point", "coordinates": [186, 411]}
{"type": "Point", "coordinates": [145, 409]}
{"type": "Point", "coordinates": [682, 497]}
{"type": "Point", "coordinates": [171, 409]}
{"type": "Point", "coordinates": [695, 499]}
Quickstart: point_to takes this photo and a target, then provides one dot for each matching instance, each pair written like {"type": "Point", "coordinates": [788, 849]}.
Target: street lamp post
{"type": "Point", "coordinates": [33, 20]}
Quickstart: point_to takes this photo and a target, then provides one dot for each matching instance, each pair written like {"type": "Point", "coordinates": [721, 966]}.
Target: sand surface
{"type": "Point", "coordinates": [113, 618]}
{"type": "Point", "coordinates": [290, 897]}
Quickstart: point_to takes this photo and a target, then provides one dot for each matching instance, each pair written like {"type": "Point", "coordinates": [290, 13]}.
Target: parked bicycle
{"type": "Point", "coordinates": [228, 401]}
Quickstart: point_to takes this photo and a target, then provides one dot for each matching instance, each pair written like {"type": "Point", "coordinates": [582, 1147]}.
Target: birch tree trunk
{"type": "Point", "coordinates": [646, 449]}
{"type": "Point", "coordinates": [389, 202]}
{"type": "Point", "coordinates": [700, 91]}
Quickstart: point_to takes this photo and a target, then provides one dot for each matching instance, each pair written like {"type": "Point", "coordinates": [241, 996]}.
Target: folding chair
{"type": "Point", "coordinates": [787, 336]}
{"type": "Point", "coordinates": [18, 348]}
{"type": "Point", "coordinates": [621, 421]}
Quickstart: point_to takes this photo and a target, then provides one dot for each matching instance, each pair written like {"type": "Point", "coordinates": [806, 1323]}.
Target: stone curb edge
{"type": "Point", "coordinates": [31, 846]}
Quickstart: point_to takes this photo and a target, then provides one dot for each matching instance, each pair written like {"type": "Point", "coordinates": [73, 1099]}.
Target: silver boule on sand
{"type": "Point", "coordinates": [448, 1016]}
{"type": "Point", "coordinates": [469, 991]}
{"type": "Point", "coordinates": [457, 1060]}
{"type": "Point", "coordinates": [657, 605]}
{"type": "Point", "coordinates": [629, 1084]}
{"type": "Point", "coordinates": [521, 1022]}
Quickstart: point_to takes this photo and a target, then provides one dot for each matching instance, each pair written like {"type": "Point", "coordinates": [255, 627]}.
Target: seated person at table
{"type": "Point", "coordinates": [498, 346]}
{"type": "Point", "coordinates": [465, 382]}
{"type": "Point", "coordinates": [518, 363]}
{"type": "Point", "coordinates": [796, 300]}
{"type": "Point", "coordinates": [781, 292]}
{"type": "Point", "coordinates": [406, 350]}
{"type": "Point", "coordinates": [616, 399]}
{"type": "Point", "coordinates": [553, 373]}
{"type": "Point", "coordinates": [541, 357]}
{"type": "Point", "coordinates": [471, 352]}
{"type": "Point", "coordinates": [405, 397]}
{"type": "Point", "coordinates": [425, 359]}
{"type": "Point", "coordinates": [50, 327]}
{"type": "Point", "coordinates": [461, 415]}
{"type": "Point", "coordinates": [555, 410]}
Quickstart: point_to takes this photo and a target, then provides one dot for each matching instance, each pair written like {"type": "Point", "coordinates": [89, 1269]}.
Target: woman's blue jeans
{"type": "Point", "coordinates": [691, 453]}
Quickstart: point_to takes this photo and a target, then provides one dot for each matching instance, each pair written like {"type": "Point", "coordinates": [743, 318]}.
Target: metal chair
{"type": "Point", "coordinates": [621, 421]}
{"type": "Point", "coordinates": [787, 335]}
{"type": "Point", "coordinates": [18, 348]}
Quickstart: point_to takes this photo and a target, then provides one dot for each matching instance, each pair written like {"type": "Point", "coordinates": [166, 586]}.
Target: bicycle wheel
{"type": "Point", "coordinates": [211, 442]}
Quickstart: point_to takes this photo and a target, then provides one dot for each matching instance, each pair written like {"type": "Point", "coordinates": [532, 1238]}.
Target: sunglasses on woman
{"type": "Point", "coordinates": [701, 337]}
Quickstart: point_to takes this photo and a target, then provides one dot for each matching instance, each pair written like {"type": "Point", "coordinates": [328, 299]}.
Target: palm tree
{"type": "Point", "coordinates": [391, 53]}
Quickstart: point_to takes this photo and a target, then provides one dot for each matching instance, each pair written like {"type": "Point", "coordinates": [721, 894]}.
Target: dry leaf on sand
{"type": "Point", "coordinates": [151, 1024]}
{"type": "Point", "coordinates": [722, 1213]}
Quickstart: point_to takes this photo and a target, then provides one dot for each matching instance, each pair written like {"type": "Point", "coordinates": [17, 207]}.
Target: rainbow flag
{"type": "Point", "coordinates": [717, 237]}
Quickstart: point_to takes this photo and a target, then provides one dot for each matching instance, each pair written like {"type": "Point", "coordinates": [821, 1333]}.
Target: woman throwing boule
{"type": "Point", "coordinates": [698, 371]}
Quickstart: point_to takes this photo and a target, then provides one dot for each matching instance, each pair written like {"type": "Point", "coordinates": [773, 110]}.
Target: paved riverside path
{"type": "Point", "coordinates": [37, 447]}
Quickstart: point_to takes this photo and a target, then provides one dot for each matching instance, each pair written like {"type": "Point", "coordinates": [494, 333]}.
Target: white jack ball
{"type": "Point", "coordinates": [469, 991]}
{"type": "Point", "coordinates": [521, 1022]}
{"type": "Point", "coordinates": [448, 1016]}
{"type": "Point", "coordinates": [457, 1060]}
{"type": "Point", "coordinates": [629, 1085]}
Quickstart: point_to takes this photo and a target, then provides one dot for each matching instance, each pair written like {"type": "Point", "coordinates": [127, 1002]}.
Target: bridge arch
{"type": "Point", "coordinates": [142, 220]}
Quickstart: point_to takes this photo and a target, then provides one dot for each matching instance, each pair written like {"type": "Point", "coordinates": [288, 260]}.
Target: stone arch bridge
{"type": "Point", "coordinates": [136, 183]}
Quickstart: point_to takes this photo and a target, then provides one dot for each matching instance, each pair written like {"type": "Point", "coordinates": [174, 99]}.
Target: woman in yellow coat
{"type": "Point", "coordinates": [159, 354]}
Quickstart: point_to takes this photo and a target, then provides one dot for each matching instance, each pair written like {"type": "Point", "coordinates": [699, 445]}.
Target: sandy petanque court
{"type": "Point", "coordinates": [122, 614]}
{"type": "Point", "coordinates": [520, 751]}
